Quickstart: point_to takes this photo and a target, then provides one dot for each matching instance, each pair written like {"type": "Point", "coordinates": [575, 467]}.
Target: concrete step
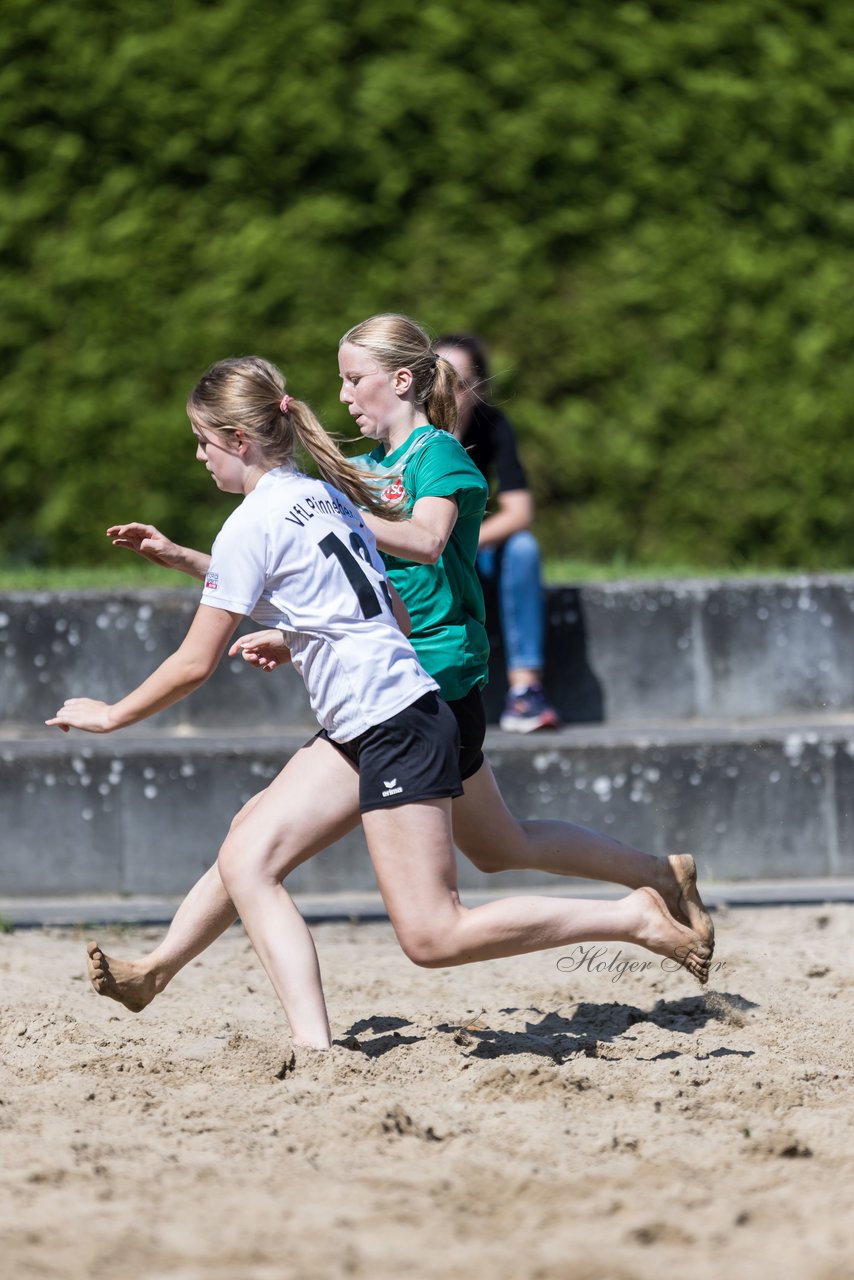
{"type": "Point", "coordinates": [616, 652]}
{"type": "Point", "coordinates": [145, 816]}
{"type": "Point", "coordinates": [85, 912]}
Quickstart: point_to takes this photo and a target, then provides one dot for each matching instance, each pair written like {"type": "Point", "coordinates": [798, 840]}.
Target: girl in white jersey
{"type": "Point", "coordinates": [297, 556]}
{"type": "Point", "coordinates": [312, 804]}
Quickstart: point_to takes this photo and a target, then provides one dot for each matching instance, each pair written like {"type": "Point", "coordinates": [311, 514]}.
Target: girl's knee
{"type": "Point", "coordinates": [241, 862]}
{"type": "Point", "coordinates": [252, 852]}
{"type": "Point", "coordinates": [423, 947]}
{"type": "Point", "coordinates": [229, 861]}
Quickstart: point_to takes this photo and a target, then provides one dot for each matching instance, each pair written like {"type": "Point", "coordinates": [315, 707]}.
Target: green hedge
{"type": "Point", "coordinates": [646, 208]}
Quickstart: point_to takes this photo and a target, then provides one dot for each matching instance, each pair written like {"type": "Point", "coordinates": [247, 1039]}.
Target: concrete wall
{"type": "Point", "coordinates": [618, 652]}
{"type": "Point", "coordinates": [89, 643]}
{"type": "Point", "coordinates": [118, 816]}
{"type": "Point", "coordinates": [630, 651]}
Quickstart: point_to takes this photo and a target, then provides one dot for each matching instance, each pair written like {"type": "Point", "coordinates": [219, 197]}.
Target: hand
{"type": "Point", "coordinates": [265, 650]}
{"type": "Point", "coordinates": [83, 713]}
{"type": "Point", "coordinates": [147, 542]}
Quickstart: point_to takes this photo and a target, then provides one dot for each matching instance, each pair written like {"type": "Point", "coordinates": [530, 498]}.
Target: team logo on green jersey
{"type": "Point", "coordinates": [394, 492]}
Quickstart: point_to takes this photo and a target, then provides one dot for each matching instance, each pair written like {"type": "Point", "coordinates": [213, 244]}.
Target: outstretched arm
{"type": "Point", "coordinates": [423, 537]}
{"type": "Point", "coordinates": [181, 673]}
{"type": "Point", "coordinates": [151, 544]}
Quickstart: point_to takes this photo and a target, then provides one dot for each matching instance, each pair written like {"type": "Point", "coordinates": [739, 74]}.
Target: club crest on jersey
{"type": "Point", "coordinates": [394, 491]}
{"type": "Point", "coordinates": [211, 582]}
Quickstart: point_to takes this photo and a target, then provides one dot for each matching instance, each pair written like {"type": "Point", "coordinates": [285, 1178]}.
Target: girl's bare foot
{"type": "Point", "coordinates": [658, 931]}
{"type": "Point", "coordinates": [121, 980]}
{"type": "Point", "coordinates": [680, 893]}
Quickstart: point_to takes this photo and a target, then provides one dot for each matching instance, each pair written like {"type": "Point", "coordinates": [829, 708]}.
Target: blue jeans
{"type": "Point", "coordinates": [514, 568]}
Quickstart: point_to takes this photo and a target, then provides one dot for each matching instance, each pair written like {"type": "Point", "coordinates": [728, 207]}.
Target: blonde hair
{"type": "Point", "coordinates": [396, 342]}
{"type": "Point", "coordinates": [246, 394]}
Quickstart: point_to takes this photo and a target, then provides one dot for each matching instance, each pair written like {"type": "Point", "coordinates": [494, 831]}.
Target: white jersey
{"type": "Point", "coordinates": [296, 555]}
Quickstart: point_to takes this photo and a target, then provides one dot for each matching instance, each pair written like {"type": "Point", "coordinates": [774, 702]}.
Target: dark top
{"type": "Point", "coordinates": [491, 445]}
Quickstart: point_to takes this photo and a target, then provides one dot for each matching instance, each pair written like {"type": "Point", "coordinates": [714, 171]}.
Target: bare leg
{"type": "Point", "coordinates": [205, 913]}
{"type": "Point", "coordinates": [318, 793]}
{"type": "Point", "coordinates": [494, 840]}
{"type": "Point", "coordinates": [413, 857]}
{"type": "Point", "coordinates": [486, 832]}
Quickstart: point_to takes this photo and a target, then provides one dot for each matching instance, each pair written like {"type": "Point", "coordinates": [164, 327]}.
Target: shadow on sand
{"type": "Point", "coordinates": [583, 1032]}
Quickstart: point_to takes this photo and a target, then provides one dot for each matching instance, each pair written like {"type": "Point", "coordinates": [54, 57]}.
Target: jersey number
{"type": "Point", "coordinates": [332, 545]}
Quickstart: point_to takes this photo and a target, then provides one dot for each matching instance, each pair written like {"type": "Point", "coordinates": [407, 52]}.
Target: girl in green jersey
{"type": "Point", "coordinates": [401, 394]}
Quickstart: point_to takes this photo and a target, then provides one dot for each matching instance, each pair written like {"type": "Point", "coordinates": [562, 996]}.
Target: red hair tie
{"type": "Point", "coordinates": [285, 403]}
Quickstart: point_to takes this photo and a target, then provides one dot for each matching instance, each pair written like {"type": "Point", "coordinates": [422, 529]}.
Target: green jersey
{"type": "Point", "coordinates": [445, 600]}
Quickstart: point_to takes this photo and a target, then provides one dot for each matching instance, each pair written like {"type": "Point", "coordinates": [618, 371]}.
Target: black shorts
{"type": "Point", "coordinates": [412, 756]}
{"type": "Point", "coordinates": [470, 715]}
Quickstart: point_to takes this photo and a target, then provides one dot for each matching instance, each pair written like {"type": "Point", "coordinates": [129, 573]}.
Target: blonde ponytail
{"type": "Point", "coordinates": [358, 486]}
{"type": "Point", "coordinates": [248, 395]}
{"type": "Point", "coordinates": [441, 402]}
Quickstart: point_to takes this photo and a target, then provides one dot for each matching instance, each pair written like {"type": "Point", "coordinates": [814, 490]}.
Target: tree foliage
{"type": "Point", "coordinates": [647, 209]}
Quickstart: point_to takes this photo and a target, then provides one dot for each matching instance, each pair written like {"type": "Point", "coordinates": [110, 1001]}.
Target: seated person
{"type": "Point", "coordinates": [509, 557]}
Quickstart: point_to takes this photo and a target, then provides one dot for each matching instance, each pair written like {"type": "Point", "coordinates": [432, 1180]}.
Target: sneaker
{"type": "Point", "coordinates": [526, 710]}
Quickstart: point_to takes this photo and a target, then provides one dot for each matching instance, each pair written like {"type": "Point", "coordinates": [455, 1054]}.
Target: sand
{"type": "Point", "coordinates": [519, 1118]}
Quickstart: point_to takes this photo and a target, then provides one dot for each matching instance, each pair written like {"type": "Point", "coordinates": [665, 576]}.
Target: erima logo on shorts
{"type": "Point", "coordinates": [393, 788]}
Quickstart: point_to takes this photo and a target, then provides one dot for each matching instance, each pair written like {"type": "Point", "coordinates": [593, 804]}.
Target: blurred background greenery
{"type": "Point", "coordinates": [646, 209]}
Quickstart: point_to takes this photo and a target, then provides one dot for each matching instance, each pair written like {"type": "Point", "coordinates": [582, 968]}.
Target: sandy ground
{"type": "Point", "coordinates": [521, 1118]}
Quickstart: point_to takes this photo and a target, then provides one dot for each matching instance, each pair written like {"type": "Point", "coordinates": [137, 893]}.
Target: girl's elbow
{"type": "Point", "coordinates": [429, 555]}
{"type": "Point", "coordinates": [197, 671]}
{"type": "Point", "coordinates": [433, 553]}
{"type": "Point", "coordinates": [425, 551]}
